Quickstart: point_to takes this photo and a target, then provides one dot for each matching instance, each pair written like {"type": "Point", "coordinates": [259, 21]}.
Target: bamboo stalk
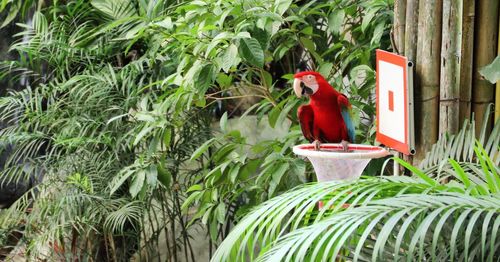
{"type": "Point", "coordinates": [484, 53]}
{"type": "Point", "coordinates": [427, 67]}
{"type": "Point", "coordinates": [497, 91]}
{"type": "Point", "coordinates": [411, 30]}
{"type": "Point", "coordinates": [450, 67]}
{"type": "Point", "coordinates": [399, 25]}
{"type": "Point", "coordinates": [466, 59]}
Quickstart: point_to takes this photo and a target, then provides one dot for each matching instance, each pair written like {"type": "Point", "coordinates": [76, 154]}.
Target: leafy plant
{"type": "Point", "coordinates": [118, 101]}
{"type": "Point", "coordinates": [384, 218]}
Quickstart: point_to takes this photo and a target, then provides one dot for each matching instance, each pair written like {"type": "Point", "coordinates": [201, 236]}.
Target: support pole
{"type": "Point", "coordinates": [449, 94]}
{"type": "Point", "coordinates": [395, 168]}
{"type": "Point", "coordinates": [485, 50]}
{"type": "Point", "coordinates": [428, 71]}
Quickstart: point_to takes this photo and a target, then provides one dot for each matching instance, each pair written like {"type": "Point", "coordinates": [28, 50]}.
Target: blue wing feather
{"type": "Point", "coordinates": [346, 115]}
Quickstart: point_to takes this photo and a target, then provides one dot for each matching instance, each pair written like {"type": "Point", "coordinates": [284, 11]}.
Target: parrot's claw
{"type": "Point", "coordinates": [345, 146]}
{"type": "Point", "coordinates": [317, 145]}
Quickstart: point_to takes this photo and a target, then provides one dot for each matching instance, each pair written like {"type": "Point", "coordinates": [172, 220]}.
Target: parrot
{"type": "Point", "coordinates": [327, 117]}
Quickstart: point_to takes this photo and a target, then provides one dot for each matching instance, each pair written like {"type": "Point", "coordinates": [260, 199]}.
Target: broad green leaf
{"type": "Point", "coordinates": [205, 78]}
{"type": "Point", "coordinates": [251, 51]}
{"type": "Point", "coordinates": [280, 6]}
{"type": "Point", "coordinates": [166, 23]}
{"type": "Point", "coordinates": [268, 79]}
{"type": "Point", "coordinates": [137, 183]}
{"type": "Point", "coordinates": [336, 20]}
{"type": "Point", "coordinates": [325, 69]}
{"type": "Point", "coordinates": [224, 80]}
{"type": "Point", "coordinates": [152, 175]}
{"type": "Point", "coordinates": [492, 71]}
{"type": "Point", "coordinates": [220, 213]}
{"type": "Point", "coordinates": [229, 58]}
{"type": "Point", "coordinates": [377, 34]}
{"type": "Point", "coordinates": [164, 176]}
{"type": "Point", "coordinates": [368, 17]}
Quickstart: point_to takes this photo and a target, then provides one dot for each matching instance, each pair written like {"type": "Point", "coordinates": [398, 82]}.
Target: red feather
{"type": "Point", "coordinates": [322, 119]}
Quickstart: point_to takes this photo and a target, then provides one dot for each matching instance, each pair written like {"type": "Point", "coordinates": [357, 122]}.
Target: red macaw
{"type": "Point", "coordinates": [326, 119]}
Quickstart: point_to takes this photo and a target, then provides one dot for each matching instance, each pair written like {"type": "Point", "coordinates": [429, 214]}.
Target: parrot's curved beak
{"type": "Point", "coordinates": [297, 88]}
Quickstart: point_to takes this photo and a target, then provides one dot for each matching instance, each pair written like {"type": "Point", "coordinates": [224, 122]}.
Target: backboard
{"type": "Point", "coordinates": [394, 101]}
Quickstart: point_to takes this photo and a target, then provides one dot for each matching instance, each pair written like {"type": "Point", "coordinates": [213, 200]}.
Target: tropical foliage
{"type": "Point", "coordinates": [447, 211]}
{"type": "Point", "coordinates": [114, 115]}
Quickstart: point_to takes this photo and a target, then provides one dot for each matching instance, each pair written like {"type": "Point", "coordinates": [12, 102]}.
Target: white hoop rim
{"type": "Point", "coordinates": [333, 151]}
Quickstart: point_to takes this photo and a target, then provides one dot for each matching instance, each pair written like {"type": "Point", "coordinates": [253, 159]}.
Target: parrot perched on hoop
{"type": "Point", "coordinates": [327, 118]}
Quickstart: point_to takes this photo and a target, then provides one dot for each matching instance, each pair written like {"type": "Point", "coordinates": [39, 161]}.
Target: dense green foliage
{"type": "Point", "coordinates": [447, 211]}
{"type": "Point", "coordinates": [120, 96]}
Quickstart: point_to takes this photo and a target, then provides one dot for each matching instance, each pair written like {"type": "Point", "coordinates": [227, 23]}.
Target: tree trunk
{"type": "Point", "coordinates": [399, 25]}
{"type": "Point", "coordinates": [411, 30]}
{"type": "Point", "coordinates": [449, 94]}
{"type": "Point", "coordinates": [484, 52]}
{"type": "Point", "coordinates": [427, 67]}
{"type": "Point", "coordinates": [466, 59]}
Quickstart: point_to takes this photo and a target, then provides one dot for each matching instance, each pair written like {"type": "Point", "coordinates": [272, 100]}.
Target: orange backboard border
{"type": "Point", "coordinates": [400, 61]}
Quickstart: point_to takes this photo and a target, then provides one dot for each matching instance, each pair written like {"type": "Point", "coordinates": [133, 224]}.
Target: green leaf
{"type": "Point", "coordinates": [137, 183]}
{"type": "Point", "coordinates": [205, 78]}
{"type": "Point", "coordinates": [325, 69]}
{"type": "Point", "coordinates": [308, 43]}
{"type": "Point", "coordinates": [273, 116]}
{"type": "Point", "coordinates": [377, 34]}
{"type": "Point", "coordinates": [268, 79]}
{"type": "Point", "coordinates": [251, 51]}
{"type": "Point", "coordinates": [13, 11]}
{"type": "Point", "coordinates": [280, 6]}
{"type": "Point", "coordinates": [167, 136]}
{"type": "Point", "coordinates": [196, 187]}
{"type": "Point", "coordinates": [336, 20]}
{"type": "Point", "coordinates": [492, 71]}
{"type": "Point", "coordinates": [220, 213]}
{"type": "Point", "coordinates": [229, 57]}
{"type": "Point", "coordinates": [198, 152]}
{"type": "Point", "coordinates": [416, 171]}
{"type": "Point", "coordinates": [223, 122]}
{"type": "Point", "coordinates": [144, 131]}
{"type": "Point", "coordinates": [368, 17]}
{"type": "Point", "coordinates": [189, 200]}
{"type": "Point", "coordinates": [276, 177]}
{"type": "Point", "coordinates": [224, 80]}
{"type": "Point", "coordinates": [164, 176]}
{"type": "Point", "coordinates": [152, 175]}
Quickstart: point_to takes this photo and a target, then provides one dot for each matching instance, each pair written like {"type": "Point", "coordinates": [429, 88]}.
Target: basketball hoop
{"type": "Point", "coordinates": [331, 163]}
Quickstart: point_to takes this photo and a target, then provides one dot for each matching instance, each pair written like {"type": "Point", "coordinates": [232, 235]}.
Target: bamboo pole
{"type": "Point", "coordinates": [450, 67]}
{"type": "Point", "coordinates": [466, 61]}
{"type": "Point", "coordinates": [484, 53]}
{"type": "Point", "coordinates": [427, 67]}
{"type": "Point", "coordinates": [399, 25]}
{"type": "Point", "coordinates": [497, 91]}
{"type": "Point", "coordinates": [411, 30]}
{"type": "Point", "coordinates": [410, 44]}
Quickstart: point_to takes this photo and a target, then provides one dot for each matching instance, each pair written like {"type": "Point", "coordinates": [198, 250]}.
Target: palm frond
{"type": "Point", "coordinates": [461, 146]}
{"type": "Point", "coordinates": [412, 226]}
